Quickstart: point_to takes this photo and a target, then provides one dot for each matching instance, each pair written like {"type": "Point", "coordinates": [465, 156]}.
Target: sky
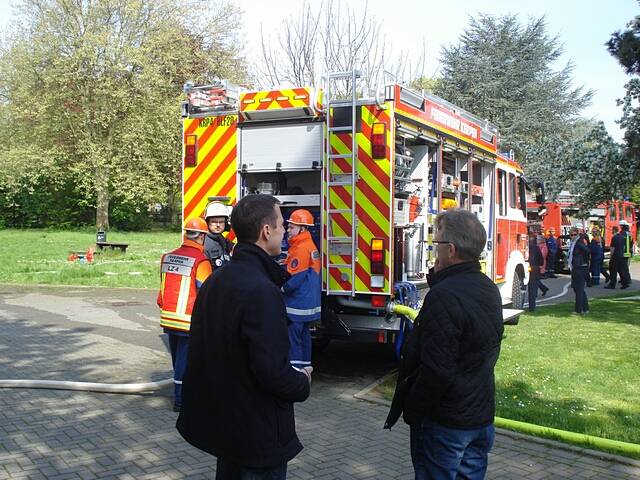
{"type": "Point", "coordinates": [582, 26]}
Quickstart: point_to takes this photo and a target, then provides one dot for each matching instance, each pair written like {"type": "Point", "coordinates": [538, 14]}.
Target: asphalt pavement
{"type": "Point", "coordinates": [112, 335]}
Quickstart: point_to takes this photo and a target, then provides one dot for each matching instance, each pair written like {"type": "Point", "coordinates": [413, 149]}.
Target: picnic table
{"type": "Point", "coordinates": [112, 246]}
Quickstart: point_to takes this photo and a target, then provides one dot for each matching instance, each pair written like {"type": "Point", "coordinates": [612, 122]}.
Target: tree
{"type": "Point", "coordinates": [332, 38]}
{"type": "Point", "coordinates": [94, 87]}
{"type": "Point", "coordinates": [625, 46]}
{"type": "Point", "coordinates": [502, 71]}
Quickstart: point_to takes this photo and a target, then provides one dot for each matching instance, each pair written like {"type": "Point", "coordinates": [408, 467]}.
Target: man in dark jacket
{"type": "Point", "coordinates": [535, 263]}
{"type": "Point", "coordinates": [239, 388]}
{"type": "Point", "coordinates": [579, 265]}
{"type": "Point", "coordinates": [446, 386]}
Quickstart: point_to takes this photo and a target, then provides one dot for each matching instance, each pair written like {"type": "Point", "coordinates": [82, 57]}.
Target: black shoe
{"type": "Point", "coordinates": [624, 286]}
{"type": "Point", "coordinates": [177, 407]}
{"type": "Point", "coordinates": [544, 292]}
{"type": "Point", "coordinates": [610, 287]}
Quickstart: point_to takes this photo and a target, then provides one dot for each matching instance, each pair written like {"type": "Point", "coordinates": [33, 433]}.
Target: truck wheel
{"type": "Point", "coordinates": [517, 293]}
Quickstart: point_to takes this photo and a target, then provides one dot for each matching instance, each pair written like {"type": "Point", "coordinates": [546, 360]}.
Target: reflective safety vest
{"type": "Point", "coordinates": [182, 272]}
{"type": "Point", "coordinates": [626, 251]}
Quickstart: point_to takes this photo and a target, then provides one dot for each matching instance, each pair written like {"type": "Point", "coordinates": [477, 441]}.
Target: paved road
{"type": "Point", "coordinates": [560, 288]}
{"type": "Point", "coordinates": [105, 335]}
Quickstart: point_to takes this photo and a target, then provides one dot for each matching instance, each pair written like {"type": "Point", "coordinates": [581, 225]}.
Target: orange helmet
{"type": "Point", "coordinates": [196, 224]}
{"type": "Point", "coordinates": [301, 217]}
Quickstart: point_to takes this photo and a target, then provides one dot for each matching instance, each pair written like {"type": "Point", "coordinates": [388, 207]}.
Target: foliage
{"type": "Point", "coordinates": [503, 71]}
{"type": "Point", "coordinates": [588, 163]}
{"type": "Point", "coordinates": [93, 87]}
{"type": "Point", "coordinates": [625, 46]}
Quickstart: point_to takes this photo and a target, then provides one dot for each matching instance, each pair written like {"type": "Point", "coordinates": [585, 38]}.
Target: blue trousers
{"type": "Point", "coordinates": [227, 470]}
{"type": "Point", "coordinates": [179, 345]}
{"type": "Point", "coordinates": [578, 281]}
{"type": "Point", "coordinates": [300, 344]}
{"type": "Point", "coordinates": [532, 289]}
{"type": "Point", "coordinates": [442, 453]}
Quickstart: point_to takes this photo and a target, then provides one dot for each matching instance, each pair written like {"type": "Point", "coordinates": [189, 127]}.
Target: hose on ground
{"type": "Point", "coordinates": [570, 437]}
{"type": "Point", "coordinates": [87, 386]}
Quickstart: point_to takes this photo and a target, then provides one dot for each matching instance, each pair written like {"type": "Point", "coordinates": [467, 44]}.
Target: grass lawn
{"type": "Point", "coordinates": [40, 256]}
{"type": "Point", "coordinates": [574, 373]}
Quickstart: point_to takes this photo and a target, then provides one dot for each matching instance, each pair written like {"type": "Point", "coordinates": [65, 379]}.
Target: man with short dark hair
{"type": "Point", "coordinates": [239, 387]}
{"type": "Point", "coordinates": [446, 386]}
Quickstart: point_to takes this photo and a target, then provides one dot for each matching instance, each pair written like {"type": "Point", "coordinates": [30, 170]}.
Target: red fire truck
{"type": "Point", "coordinates": [375, 171]}
{"type": "Point", "coordinates": [563, 214]}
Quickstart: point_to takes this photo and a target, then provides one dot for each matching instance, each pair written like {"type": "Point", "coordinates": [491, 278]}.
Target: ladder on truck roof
{"type": "Point", "coordinates": [341, 176]}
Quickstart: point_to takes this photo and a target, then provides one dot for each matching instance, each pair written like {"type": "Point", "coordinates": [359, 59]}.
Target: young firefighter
{"type": "Point", "coordinates": [302, 290]}
{"type": "Point", "coordinates": [216, 247]}
{"type": "Point", "coordinates": [182, 272]}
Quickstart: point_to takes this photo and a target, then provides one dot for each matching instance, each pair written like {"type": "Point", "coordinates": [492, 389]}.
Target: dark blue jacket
{"type": "Point", "coordinates": [452, 351]}
{"type": "Point", "coordinates": [552, 244]}
{"type": "Point", "coordinates": [239, 388]}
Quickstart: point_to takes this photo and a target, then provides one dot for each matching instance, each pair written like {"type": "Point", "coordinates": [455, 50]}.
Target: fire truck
{"type": "Point", "coordinates": [374, 171]}
{"type": "Point", "coordinates": [563, 214]}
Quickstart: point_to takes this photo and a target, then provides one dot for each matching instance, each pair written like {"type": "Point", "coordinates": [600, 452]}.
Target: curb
{"type": "Point", "coordinates": [365, 395]}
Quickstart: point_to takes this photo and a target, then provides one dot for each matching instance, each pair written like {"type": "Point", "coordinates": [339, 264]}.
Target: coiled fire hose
{"type": "Point", "coordinates": [87, 386]}
{"type": "Point", "coordinates": [538, 430]}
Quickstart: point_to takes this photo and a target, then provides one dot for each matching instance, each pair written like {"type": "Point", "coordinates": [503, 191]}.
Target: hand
{"type": "Point", "coordinates": [307, 371]}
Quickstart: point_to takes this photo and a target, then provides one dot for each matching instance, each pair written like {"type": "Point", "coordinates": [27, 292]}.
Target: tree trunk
{"type": "Point", "coordinates": [103, 196]}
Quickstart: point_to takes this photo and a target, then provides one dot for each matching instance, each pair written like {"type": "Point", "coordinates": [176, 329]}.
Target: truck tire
{"type": "Point", "coordinates": [517, 297]}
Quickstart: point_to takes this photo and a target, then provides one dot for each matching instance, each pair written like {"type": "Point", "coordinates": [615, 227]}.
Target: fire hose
{"type": "Point", "coordinates": [538, 430]}
{"type": "Point", "coordinates": [87, 386]}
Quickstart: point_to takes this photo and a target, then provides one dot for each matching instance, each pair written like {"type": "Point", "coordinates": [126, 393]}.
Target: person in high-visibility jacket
{"type": "Point", "coordinates": [302, 289]}
{"type": "Point", "coordinates": [182, 272]}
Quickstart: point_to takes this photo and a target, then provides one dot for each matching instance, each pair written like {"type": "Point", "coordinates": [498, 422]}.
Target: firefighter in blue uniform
{"type": "Point", "coordinates": [302, 289]}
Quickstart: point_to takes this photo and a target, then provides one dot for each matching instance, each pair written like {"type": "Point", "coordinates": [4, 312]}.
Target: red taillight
{"type": "Point", "coordinates": [379, 141]}
{"type": "Point", "coordinates": [378, 301]}
{"type": "Point", "coordinates": [377, 256]}
{"type": "Point", "coordinates": [382, 337]}
{"type": "Point", "coordinates": [190, 150]}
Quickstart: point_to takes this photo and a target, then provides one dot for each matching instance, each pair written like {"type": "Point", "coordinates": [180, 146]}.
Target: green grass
{"type": "Point", "coordinates": [574, 373]}
{"type": "Point", "coordinates": [40, 257]}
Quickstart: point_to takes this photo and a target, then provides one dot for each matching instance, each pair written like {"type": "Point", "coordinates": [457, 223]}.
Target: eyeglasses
{"type": "Point", "coordinates": [442, 242]}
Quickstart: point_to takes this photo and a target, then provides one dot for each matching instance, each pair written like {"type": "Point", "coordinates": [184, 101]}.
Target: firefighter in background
{"type": "Point", "coordinates": [182, 272]}
{"type": "Point", "coordinates": [302, 289]}
{"type": "Point", "coordinates": [216, 246]}
{"type": "Point", "coordinates": [621, 251]}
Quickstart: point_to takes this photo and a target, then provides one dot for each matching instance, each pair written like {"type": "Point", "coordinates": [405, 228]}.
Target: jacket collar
{"type": "Point", "coordinates": [306, 235]}
{"type": "Point", "coordinates": [250, 252]}
{"type": "Point", "coordinates": [456, 269]}
{"type": "Point", "coordinates": [192, 244]}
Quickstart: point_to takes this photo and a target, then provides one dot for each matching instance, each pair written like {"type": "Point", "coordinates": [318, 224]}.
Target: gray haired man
{"type": "Point", "coordinates": [446, 387]}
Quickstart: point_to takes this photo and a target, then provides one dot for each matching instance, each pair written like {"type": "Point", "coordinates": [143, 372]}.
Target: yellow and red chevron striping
{"type": "Point", "coordinates": [275, 99]}
{"type": "Point", "coordinates": [373, 197]}
{"type": "Point", "coordinates": [215, 170]}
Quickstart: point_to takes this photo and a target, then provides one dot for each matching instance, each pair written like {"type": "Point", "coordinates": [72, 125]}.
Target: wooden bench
{"type": "Point", "coordinates": [112, 246]}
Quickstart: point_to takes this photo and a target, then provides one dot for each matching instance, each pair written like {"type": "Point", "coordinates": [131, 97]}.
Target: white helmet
{"type": "Point", "coordinates": [624, 223]}
{"type": "Point", "coordinates": [217, 209]}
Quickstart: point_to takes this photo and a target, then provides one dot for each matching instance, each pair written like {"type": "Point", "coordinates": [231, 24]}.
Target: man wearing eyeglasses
{"type": "Point", "coordinates": [446, 387]}
{"type": "Point", "coordinates": [579, 265]}
{"type": "Point", "coordinates": [217, 248]}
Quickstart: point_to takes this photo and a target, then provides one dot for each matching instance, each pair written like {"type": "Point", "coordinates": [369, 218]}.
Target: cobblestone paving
{"type": "Point", "coordinates": [55, 434]}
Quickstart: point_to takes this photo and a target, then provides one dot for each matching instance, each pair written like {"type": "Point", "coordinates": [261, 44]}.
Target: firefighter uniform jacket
{"type": "Point", "coordinates": [182, 271]}
{"type": "Point", "coordinates": [217, 249]}
{"type": "Point", "coordinates": [302, 290]}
